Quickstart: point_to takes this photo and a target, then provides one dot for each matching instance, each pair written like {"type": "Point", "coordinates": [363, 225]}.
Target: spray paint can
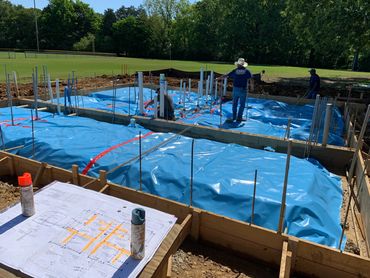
{"type": "Point", "coordinates": [138, 233]}
{"type": "Point", "coordinates": [26, 188]}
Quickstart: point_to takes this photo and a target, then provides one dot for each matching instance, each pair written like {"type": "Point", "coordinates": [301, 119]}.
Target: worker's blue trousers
{"type": "Point", "coordinates": [239, 95]}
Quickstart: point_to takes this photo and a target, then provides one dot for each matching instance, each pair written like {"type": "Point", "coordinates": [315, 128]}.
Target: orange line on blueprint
{"type": "Point", "coordinates": [103, 242]}
{"type": "Point", "coordinates": [122, 251]}
{"type": "Point", "coordinates": [95, 238]}
{"type": "Point", "coordinates": [73, 233]}
{"type": "Point", "coordinates": [92, 218]}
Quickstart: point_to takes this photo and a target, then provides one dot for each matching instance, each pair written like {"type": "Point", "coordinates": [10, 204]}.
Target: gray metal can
{"type": "Point", "coordinates": [138, 234]}
{"type": "Point", "coordinates": [26, 189]}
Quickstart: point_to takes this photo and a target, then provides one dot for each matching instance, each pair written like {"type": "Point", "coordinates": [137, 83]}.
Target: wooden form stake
{"type": "Point", "coordinates": [169, 267]}
{"type": "Point", "coordinates": [75, 176]}
{"type": "Point", "coordinates": [283, 200]}
{"type": "Point", "coordinates": [286, 261]}
{"type": "Point", "coordinates": [102, 178]}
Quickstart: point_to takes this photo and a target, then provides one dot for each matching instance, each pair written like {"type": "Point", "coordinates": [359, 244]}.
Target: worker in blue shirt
{"type": "Point", "coordinates": [240, 77]}
{"type": "Point", "coordinates": [314, 86]}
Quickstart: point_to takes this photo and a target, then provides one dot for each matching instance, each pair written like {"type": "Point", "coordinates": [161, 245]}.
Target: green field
{"type": "Point", "coordinates": [59, 65]}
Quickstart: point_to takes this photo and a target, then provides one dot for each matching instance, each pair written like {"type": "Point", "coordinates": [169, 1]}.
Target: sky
{"type": "Point", "coordinates": [98, 5]}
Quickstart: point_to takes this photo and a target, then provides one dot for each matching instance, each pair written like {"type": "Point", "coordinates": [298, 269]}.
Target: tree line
{"type": "Point", "coordinates": [316, 33]}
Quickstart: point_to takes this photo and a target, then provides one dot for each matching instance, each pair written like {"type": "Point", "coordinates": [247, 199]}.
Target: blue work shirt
{"type": "Point", "coordinates": [240, 77]}
{"type": "Point", "coordinates": [314, 83]}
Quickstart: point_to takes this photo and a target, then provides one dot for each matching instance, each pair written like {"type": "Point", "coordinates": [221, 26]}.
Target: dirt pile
{"type": "Point", "coordinates": [9, 195]}
{"type": "Point", "coordinates": [197, 260]}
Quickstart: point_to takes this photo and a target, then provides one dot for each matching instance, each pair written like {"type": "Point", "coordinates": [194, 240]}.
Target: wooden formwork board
{"type": "Point", "coordinates": [246, 240]}
{"type": "Point", "coordinates": [363, 186]}
{"type": "Point", "coordinates": [332, 157]}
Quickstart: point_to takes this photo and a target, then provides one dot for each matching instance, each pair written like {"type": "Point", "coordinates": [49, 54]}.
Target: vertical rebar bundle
{"type": "Point", "coordinates": [140, 159]}
{"type": "Point", "coordinates": [141, 96]}
{"type": "Point", "coordinates": [285, 186]}
{"type": "Point", "coordinates": [114, 100]}
{"type": "Point", "coordinates": [57, 91]}
{"type": "Point", "coordinates": [10, 97]}
{"type": "Point", "coordinates": [184, 96]}
{"type": "Point", "coordinates": [191, 172]}
{"type": "Point", "coordinates": [33, 135]}
{"type": "Point", "coordinates": [328, 114]}
{"type": "Point", "coordinates": [35, 90]}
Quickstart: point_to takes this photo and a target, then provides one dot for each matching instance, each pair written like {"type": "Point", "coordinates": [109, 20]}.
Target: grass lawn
{"type": "Point", "coordinates": [59, 65]}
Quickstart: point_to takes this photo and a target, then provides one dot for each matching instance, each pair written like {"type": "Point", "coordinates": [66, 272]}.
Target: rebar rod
{"type": "Point", "coordinates": [285, 186]}
{"type": "Point", "coordinates": [129, 95]}
{"type": "Point", "coordinates": [36, 92]}
{"type": "Point", "coordinates": [254, 197]}
{"type": "Point", "coordinates": [287, 132]}
{"type": "Point", "coordinates": [114, 101]}
{"type": "Point", "coordinates": [33, 135]}
{"type": "Point", "coordinates": [192, 172]}
{"type": "Point", "coordinates": [2, 138]}
{"type": "Point", "coordinates": [10, 98]}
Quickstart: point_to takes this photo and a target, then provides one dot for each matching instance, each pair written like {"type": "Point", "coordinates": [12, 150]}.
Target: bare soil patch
{"type": "Point", "coordinates": [198, 260]}
{"type": "Point", "coordinates": [9, 194]}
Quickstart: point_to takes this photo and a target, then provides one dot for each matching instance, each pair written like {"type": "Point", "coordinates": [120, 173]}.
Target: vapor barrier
{"type": "Point", "coordinates": [264, 117]}
{"type": "Point", "coordinates": [223, 173]}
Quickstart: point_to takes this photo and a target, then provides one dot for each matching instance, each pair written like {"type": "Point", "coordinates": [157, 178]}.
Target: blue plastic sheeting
{"type": "Point", "coordinates": [223, 173]}
{"type": "Point", "coordinates": [265, 117]}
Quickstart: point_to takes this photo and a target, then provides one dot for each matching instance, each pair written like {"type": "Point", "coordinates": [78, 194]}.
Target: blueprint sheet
{"type": "Point", "coordinates": [77, 233]}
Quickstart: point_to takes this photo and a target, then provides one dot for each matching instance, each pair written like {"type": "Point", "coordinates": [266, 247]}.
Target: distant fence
{"type": "Point", "coordinates": [33, 53]}
{"type": "Point", "coordinates": [171, 72]}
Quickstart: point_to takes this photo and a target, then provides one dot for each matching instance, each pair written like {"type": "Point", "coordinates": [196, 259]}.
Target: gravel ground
{"type": "Point", "coordinates": [9, 195]}
{"type": "Point", "coordinates": [195, 260]}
